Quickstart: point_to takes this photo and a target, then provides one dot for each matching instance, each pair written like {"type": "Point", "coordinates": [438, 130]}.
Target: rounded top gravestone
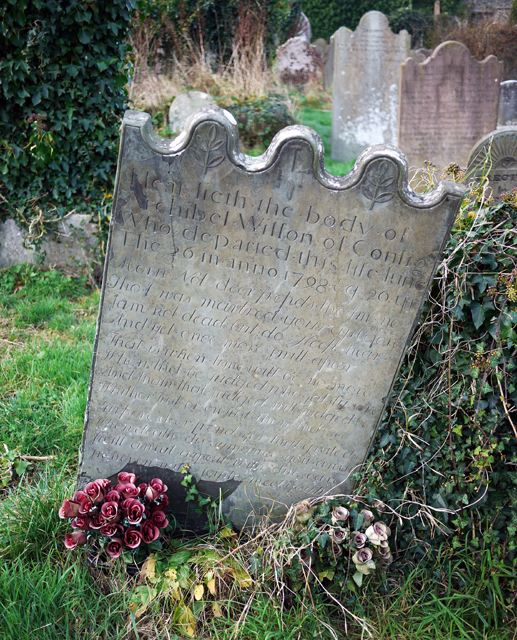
{"type": "Point", "coordinates": [366, 66]}
{"type": "Point", "coordinates": [495, 156]}
{"type": "Point", "coordinates": [185, 105]}
{"type": "Point", "coordinates": [254, 312]}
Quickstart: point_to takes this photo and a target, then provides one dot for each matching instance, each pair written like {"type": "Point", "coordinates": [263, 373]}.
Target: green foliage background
{"type": "Point", "coordinates": [65, 62]}
{"type": "Point", "coordinates": [327, 17]}
{"type": "Point", "coordinates": [449, 438]}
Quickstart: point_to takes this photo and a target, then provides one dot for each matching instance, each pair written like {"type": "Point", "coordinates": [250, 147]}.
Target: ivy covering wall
{"type": "Point", "coordinates": [63, 68]}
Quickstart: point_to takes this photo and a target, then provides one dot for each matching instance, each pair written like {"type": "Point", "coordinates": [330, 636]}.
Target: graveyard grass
{"type": "Point", "coordinates": [47, 327]}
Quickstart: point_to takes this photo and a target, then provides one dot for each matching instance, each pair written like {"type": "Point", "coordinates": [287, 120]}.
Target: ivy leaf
{"type": "Point", "coordinates": [358, 578]}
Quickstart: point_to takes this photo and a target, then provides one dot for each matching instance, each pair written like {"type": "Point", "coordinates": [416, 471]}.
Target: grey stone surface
{"type": "Point", "coordinates": [297, 61]}
{"type": "Point", "coordinates": [254, 311]}
{"type": "Point", "coordinates": [495, 155]}
{"type": "Point", "coordinates": [420, 55]}
{"type": "Point", "coordinates": [366, 77]}
{"type": "Point", "coordinates": [328, 68]}
{"type": "Point", "coordinates": [303, 28]}
{"type": "Point", "coordinates": [72, 244]}
{"type": "Point", "coordinates": [507, 114]}
{"type": "Point", "coordinates": [185, 105]}
{"type": "Point", "coordinates": [446, 104]}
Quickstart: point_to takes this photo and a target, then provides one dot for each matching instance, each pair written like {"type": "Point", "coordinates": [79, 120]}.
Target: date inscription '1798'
{"type": "Point", "coordinates": [254, 310]}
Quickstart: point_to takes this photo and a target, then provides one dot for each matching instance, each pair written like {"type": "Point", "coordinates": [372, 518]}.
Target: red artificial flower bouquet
{"type": "Point", "coordinates": [123, 518]}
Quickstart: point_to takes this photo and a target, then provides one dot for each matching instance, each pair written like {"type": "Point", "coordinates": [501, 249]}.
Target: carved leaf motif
{"type": "Point", "coordinates": [207, 146]}
{"type": "Point", "coordinates": [376, 186]}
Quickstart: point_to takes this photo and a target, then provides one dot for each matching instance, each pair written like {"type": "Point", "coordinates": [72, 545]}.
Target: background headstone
{"type": "Point", "coordinates": [495, 155]}
{"type": "Point", "coordinates": [185, 105]}
{"type": "Point", "coordinates": [420, 55]}
{"type": "Point", "coordinates": [328, 69]}
{"type": "Point", "coordinates": [365, 88]}
{"type": "Point", "coordinates": [297, 61]}
{"type": "Point", "coordinates": [72, 244]}
{"type": "Point", "coordinates": [254, 311]}
{"type": "Point", "coordinates": [303, 28]}
{"type": "Point", "coordinates": [507, 115]}
{"type": "Point", "coordinates": [446, 104]}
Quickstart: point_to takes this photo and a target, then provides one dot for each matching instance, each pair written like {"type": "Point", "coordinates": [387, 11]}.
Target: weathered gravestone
{"type": "Point", "coordinates": [446, 104]}
{"type": "Point", "coordinates": [495, 156]}
{"type": "Point", "coordinates": [254, 311]}
{"type": "Point", "coordinates": [297, 61]}
{"type": "Point", "coordinates": [185, 105]}
{"type": "Point", "coordinates": [366, 77]}
{"type": "Point", "coordinates": [507, 115]}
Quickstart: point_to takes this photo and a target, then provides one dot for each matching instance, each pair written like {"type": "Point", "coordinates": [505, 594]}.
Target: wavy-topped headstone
{"type": "Point", "coordinates": [254, 311]}
{"type": "Point", "coordinates": [366, 85]}
{"type": "Point", "coordinates": [447, 103]}
{"type": "Point", "coordinates": [495, 156]}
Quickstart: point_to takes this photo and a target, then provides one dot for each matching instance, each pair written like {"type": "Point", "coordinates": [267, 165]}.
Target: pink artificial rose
{"type": "Point", "coordinates": [159, 520]}
{"type": "Point", "coordinates": [75, 539]}
{"type": "Point", "coordinates": [81, 522]}
{"type": "Point", "coordinates": [112, 496]}
{"type": "Point", "coordinates": [69, 509]}
{"type": "Point", "coordinates": [95, 492]}
{"type": "Point", "coordinates": [149, 532]}
{"type": "Point", "coordinates": [110, 530]}
{"type": "Point", "coordinates": [110, 512]}
{"type": "Point", "coordinates": [133, 538]}
{"type": "Point", "coordinates": [126, 478]}
{"type": "Point", "coordinates": [114, 547]}
{"type": "Point", "coordinates": [155, 489]}
{"type": "Point", "coordinates": [133, 510]}
{"type": "Point", "coordinates": [79, 496]}
{"type": "Point", "coordinates": [142, 488]}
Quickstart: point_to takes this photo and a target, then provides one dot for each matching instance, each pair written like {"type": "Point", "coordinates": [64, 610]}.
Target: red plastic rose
{"type": "Point", "coordinates": [77, 538]}
{"type": "Point", "coordinates": [158, 518]}
{"type": "Point", "coordinates": [79, 496]}
{"type": "Point", "coordinates": [105, 484]}
{"type": "Point", "coordinates": [87, 508]}
{"type": "Point", "coordinates": [133, 510]}
{"type": "Point", "coordinates": [133, 538]}
{"type": "Point", "coordinates": [130, 491]}
{"type": "Point", "coordinates": [114, 547]}
{"type": "Point", "coordinates": [125, 478]}
{"type": "Point", "coordinates": [163, 501]}
{"type": "Point", "coordinates": [110, 512]}
{"type": "Point", "coordinates": [155, 489]}
{"type": "Point", "coordinates": [97, 521]}
{"type": "Point", "coordinates": [94, 491]}
{"type": "Point", "coordinates": [81, 522]}
{"type": "Point", "coordinates": [112, 496]}
{"type": "Point", "coordinates": [69, 509]}
{"type": "Point", "coordinates": [110, 529]}
{"type": "Point", "coordinates": [149, 531]}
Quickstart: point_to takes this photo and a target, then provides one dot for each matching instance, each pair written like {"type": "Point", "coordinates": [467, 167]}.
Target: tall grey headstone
{"type": "Point", "coordinates": [365, 89]}
{"type": "Point", "coordinates": [495, 156]}
{"type": "Point", "coordinates": [446, 104]}
{"type": "Point", "coordinates": [507, 115]}
{"type": "Point", "coordinates": [254, 311]}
